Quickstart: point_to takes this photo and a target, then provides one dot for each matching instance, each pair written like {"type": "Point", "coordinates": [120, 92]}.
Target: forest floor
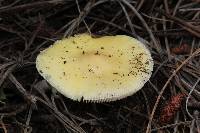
{"type": "Point", "coordinates": [169, 101]}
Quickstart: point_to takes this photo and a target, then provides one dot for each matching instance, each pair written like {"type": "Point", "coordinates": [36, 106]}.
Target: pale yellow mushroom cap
{"type": "Point", "coordinates": [96, 69]}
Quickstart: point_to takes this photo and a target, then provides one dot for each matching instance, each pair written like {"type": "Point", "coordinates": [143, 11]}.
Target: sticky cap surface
{"type": "Point", "coordinates": [96, 69]}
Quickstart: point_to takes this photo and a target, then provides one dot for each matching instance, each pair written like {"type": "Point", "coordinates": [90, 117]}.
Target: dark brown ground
{"type": "Point", "coordinates": [169, 102]}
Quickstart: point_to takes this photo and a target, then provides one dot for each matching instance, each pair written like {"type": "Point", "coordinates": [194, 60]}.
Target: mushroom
{"type": "Point", "coordinates": [90, 69]}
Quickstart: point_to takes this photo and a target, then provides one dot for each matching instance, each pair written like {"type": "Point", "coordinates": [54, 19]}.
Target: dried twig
{"type": "Point", "coordinates": [165, 86]}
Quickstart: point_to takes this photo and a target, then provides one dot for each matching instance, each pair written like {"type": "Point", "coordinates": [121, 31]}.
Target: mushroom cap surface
{"type": "Point", "coordinates": [91, 69]}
